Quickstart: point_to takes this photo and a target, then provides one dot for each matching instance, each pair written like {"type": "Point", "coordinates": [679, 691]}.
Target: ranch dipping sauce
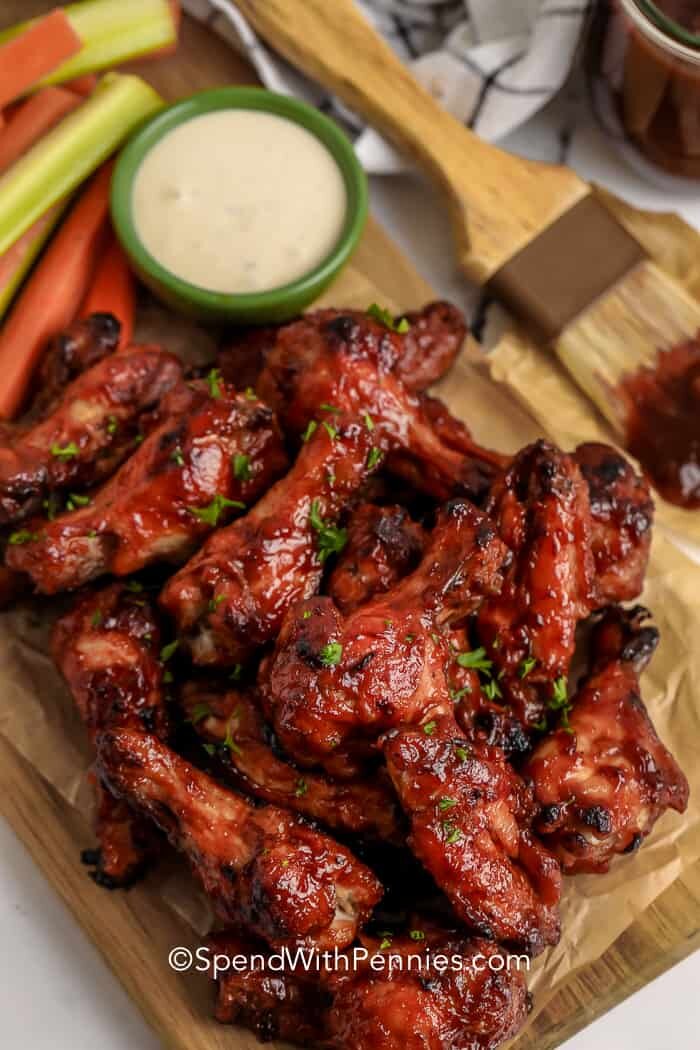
{"type": "Point", "coordinates": [239, 201]}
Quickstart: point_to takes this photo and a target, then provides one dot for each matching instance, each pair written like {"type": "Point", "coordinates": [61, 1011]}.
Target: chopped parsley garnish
{"type": "Point", "coordinates": [134, 586]}
{"type": "Point", "coordinates": [330, 430]}
{"type": "Point", "coordinates": [452, 833]}
{"type": "Point", "coordinates": [91, 534]}
{"type": "Point", "coordinates": [526, 665]}
{"type": "Point", "coordinates": [462, 754]}
{"type": "Point", "coordinates": [96, 618]}
{"type": "Point", "coordinates": [214, 603]}
{"type": "Point", "coordinates": [250, 394]}
{"type": "Point", "coordinates": [168, 650]}
{"type": "Point", "coordinates": [560, 697]}
{"type": "Point", "coordinates": [379, 313]}
{"type": "Point", "coordinates": [76, 500]}
{"type": "Point", "coordinates": [306, 615]}
{"type": "Point", "coordinates": [112, 425]}
{"type": "Point", "coordinates": [199, 712]}
{"type": "Point", "coordinates": [385, 943]}
{"type": "Point", "coordinates": [475, 659]}
{"type": "Point", "coordinates": [325, 407]}
{"type": "Point", "coordinates": [210, 515]}
{"type": "Point", "coordinates": [241, 467]}
{"type": "Point", "coordinates": [368, 421]}
{"type": "Point", "coordinates": [138, 439]}
{"type": "Point", "coordinates": [168, 677]}
{"type": "Point", "coordinates": [374, 457]}
{"type": "Point", "coordinates": [230, 743]}
{"type": "Point", "coordinates": [65, 452]}
{"type": "Point", "coordinates": [331, 539]}
{"type": "Point", "coordinates": [177, 457]}
{"type": "Point", "coordinates": [213, 379]}
{"type": "Point", "coordinates": [236, 673]}
{"type": "Point", "coordinates": [16, 539]}
{"type": "Point", "coordinates": [52, 506]}
{"type": "Point", "coordinates": [331, 654]}
{"type": "Point", "coordinates": [310, 430]}
{"type": "Point", "coordinates": [429, 728]}
{"type": "Point", "coordinates": [301, 788]}
{"type": "Point", "coordinates": [210, 749]}
{"type": "Point", "coordinates": [457, 694]}
{"type": "Point", "coordinates": [409, 638]}
{"type": "Point", "coordinates": [492, 690]}
{"type": "Point", "coordinates": [417, 935]}
{"type": "Point", "coordinates": [446, 803]}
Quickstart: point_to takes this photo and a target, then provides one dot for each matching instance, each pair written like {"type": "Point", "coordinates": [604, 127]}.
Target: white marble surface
{"type": "Point", "coordinates": [56, 993]}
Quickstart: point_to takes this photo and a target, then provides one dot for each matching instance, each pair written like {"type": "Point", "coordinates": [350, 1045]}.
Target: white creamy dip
{"type": "Point", "coordinates": [239, 200]}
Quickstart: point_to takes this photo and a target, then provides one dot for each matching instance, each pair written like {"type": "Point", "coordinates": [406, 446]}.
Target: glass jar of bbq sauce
{"type": "Point", "coordinates": [643, 61]}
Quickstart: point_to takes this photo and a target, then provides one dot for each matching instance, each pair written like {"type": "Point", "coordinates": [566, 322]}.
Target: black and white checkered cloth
{"type": "Point", "coordinates": [492, 63]}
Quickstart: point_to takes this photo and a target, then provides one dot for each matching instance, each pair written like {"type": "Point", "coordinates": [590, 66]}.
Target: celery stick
{"type": "Point", "coordinates": [112, 31]}
{"type": "Point", "coordinates": [71, 151]}
{"type": "Point", "coordinates": [35, 241]}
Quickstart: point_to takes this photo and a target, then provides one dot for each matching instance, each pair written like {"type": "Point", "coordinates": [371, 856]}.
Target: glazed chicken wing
{"type": "Point", "coordinates": [212, 452]}
{"type": "Point", "coordinates": [345, 365]}
{"type": "Point", "coordinates": [88, 431]}
{"type": "Point", "coordinates": [384, 544]}
{"type": "Point", "coordinates": [231, 721]}
{"type": "Point", "coordinates": [230, 599]}
{"type": "Point", "coordinates": [476, 1002]}
{"type": "Point", "coordinates": [70, 353]}
{"type": "Point", "coordinates": [424, 353]}
{"type": "Point", "coordinates": [542, 509]}
{"type": "Point", "coordinates": [263, 868]}
{"type": "Point", "coordinates": [470, 819]}
{"type": "Point", "coordinates": [622, 513]}
{"type": "Point", "coordinates": [603, 783]}
{"type": "Point", "coordinates": [332, 685]}
{"type": "Point", "coordinates": [107, 649]}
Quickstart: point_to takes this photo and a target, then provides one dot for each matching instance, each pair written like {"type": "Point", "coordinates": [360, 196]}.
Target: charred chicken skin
{"type": "Point", "coordinates": [603, 783]}
{"type": "Point", "coordinates": [476, 1003]}
{"type": "Point", "coordinates": [70, 353]}
{"type": "Point", "coordinates": [345, 365]}
{"type": "Point", "coordinates": [212, 454]}
{"type": "Point", "coordinates": [263, 868]}
{"type": "Point", "coordinates": [107, 650]}
{"type": "Point", "coordinates": [471, 817]}
{"type": "Point", "coordinates": [622, 512]}
{"type": "Point", "coordinates": [231, 720]}
{"type": "Point", "coordinates": [332, 685]}
{"type": "Point", "coordinates": [383, 545]}
{"type": "Point", "coordinates": [542, 511]}
{"type": "Point", "coordinates": [231, 597]}
{"type": "Point", "coordinates": [88, 432]}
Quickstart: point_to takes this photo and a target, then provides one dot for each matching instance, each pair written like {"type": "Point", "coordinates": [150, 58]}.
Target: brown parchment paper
{"type": "Point", "coordinates": [543, 386]}
{"type": "Point", "coordinates": [37, 716]}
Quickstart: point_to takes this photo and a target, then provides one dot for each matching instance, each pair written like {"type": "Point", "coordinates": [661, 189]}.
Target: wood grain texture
{"type": "Point", "coordinates": [499, 202]}
{"type": "Point", "coordinates": [135, 931]}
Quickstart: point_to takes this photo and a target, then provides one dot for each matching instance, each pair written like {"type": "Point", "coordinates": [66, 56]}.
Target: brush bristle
{"type": "Point", "coordinates": [624, 331]}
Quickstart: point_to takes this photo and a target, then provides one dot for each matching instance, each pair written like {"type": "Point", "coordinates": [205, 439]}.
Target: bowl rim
{"type": "Point", "coordinates": [251, 98]}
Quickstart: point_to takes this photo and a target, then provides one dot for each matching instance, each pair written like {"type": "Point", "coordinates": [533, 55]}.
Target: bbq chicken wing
{"type": "Point", "coordinates": [622, 513]}
{"type": "Point", "coordinates": [212, 453]}
{"type": "Point", "coordinates": [263, 868]}
{"type": "Point", "coordinates": [424, 353]}
{"type": "Point", "coordinates": [70, 353]}
{"type": "Point", "coordinates": [603, 782]}
{"type": "Point", "coordinates": [332, 685]}
{"type": "Point", "coordinates": [470, 819]}
{"type": "Point", "coordinates": [476, 1002]}
{"type": "Point", "coordinates": [345, 365]}
{"type": "Point", "coordinates": [107, 649]}
{"type": "Point", "coordinates": [542, 510]}
{"type": "Point", "coordinates": [230, 599]}
{"type": "Point", "coordinates": [88, 432]}
{"type": "Point", "coordinates": [232, 722]}
{"type": "Point", "coordinates": [383, 545]}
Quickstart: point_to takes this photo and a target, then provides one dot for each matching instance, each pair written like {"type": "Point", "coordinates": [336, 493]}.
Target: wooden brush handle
{"type": "Point", "coordinates": [499, 202]}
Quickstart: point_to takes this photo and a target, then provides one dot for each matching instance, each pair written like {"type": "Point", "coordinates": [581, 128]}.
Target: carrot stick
{"type": "Point", "coordinates": [32, 119]}
{"type": "Point", "coordinates": [112, 290]}
{"type": "Point", "coordinates": [84, 85]}
{"type": "Point", "coordinates": [42, 47]}
{"type": "Point", "coordinates": [16, 261]}
{"type": "Point", "coordinates": [53, 293]}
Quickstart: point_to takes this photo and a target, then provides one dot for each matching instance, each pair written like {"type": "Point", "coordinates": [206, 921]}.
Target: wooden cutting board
{"type": "Point", "coordinates": [135, 931]}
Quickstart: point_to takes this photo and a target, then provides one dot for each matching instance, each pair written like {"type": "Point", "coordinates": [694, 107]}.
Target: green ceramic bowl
{"type": "Point", "coordinates": [277, 304]}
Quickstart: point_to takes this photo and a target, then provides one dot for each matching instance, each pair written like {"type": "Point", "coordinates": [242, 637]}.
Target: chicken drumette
{"type": "Point", "coordinates": [107, 650]}
{"type": "Point", "coordinates": [88, 431]}
{"type": "Point", "coordinates": [471, 816]}
{"type": "Point", "coordinates": [346, 365]}
{"type": "Point", "coordinates": [603, 782]}
{"type": "Point", "coordinates": [231, 721]}
{"type": "Point", "coordinates": [622, 512]}
{"type": "Point", "coordinates": [263, 868]}
{"type": "Point", "coordinates": [383, 545]}
{"type": "Point", "coordinates": [332, 685]}
{"type": "Point", "coordinates": [231, 597]}
{"type": "Point", "coordinates": [214, 451]}
{"type": "Point", "coordinates": [474, 1002]}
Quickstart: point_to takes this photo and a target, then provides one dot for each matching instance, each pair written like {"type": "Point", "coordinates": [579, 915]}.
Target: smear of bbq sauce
{"type": "Point", "coordinates": [663, 422]}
